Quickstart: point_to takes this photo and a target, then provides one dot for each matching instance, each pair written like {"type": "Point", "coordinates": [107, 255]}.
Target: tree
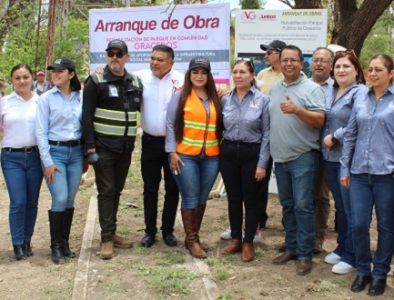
{"type": "Point", "coordinates": [250, 4]}
{"type": "Point", "coordinates": [352, 22]}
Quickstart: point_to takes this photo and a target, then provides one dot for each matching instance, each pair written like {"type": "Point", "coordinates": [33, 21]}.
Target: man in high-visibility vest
{"type": "Point", "coordinates": [111, 101]}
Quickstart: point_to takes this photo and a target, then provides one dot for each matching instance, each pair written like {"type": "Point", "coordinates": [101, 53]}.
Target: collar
{"type": "Point", "coordinates": [301, 78]}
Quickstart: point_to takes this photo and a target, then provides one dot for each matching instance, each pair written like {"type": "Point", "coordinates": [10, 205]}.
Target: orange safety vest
{"type": "Point", "coordinates": [199, 133]}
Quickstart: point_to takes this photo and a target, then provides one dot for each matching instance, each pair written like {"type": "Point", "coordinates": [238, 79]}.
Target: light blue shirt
{"type": "Point", "coordinates": [337, 117]}
{"type": "Point", "coordinates": [248, 121]}
{"type": "Point", "coordinates": [369, 137]}
{"type": "Point", "coordinates": [58, 119]}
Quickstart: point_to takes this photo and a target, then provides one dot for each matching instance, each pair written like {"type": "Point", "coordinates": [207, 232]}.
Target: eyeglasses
{"type": "Point", "coordinates": [347, 51]}
{"type": "Point", "coordinates": [117, 54]}
{"type": "Point", "coordinates": [247, 60]}
{"type": "Point", "coordinates": [321, 60]}
{"type": "Point", "coordinates": [289, 60]}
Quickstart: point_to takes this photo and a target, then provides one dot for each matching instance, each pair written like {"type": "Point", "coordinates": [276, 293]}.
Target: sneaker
{"type": "Point", "coordinates": [226, 234]}
{"type": "Point", "coordinates": [342, 268]}
{"type": "Point", "coordinates": [257, 236]}
{"type": "Point", "coordinates": [332, 258]}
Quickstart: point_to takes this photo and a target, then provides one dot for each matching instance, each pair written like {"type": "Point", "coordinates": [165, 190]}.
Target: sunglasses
{"type": "Point", "coordinates": [347, 51]}
{"type": "Point", "coordinates": [247, 60]}
{"type": "Point", "coordinates": [117, 54]}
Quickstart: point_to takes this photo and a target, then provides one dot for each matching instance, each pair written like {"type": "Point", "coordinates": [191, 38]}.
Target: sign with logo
{"type": "Point", "coordinates": [305, 28]}
{"type": "Point", "coordinates": [191, 30]}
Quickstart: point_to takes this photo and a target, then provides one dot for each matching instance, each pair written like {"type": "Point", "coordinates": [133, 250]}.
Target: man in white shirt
{"type": "Point", "coordinates": [159, 83]}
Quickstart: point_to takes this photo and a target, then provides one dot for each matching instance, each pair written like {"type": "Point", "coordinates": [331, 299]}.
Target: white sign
{"type": "Point", "coordinates": [191, 30]}
{"type": "Point", "coordinates": [305, 28]}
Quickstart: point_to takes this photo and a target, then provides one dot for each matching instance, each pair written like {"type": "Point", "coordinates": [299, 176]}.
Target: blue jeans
{"type": "Point", "coordinates": [23, 176]}
{"type": "Point", "coordinates": [197, 176]}
{"type": "Point", "coordinates": [343, 213]}
{"type": "Point", "coordinates": [296, 181]}
{"type": "Point", "coordinates": [65, 186]}
{"type": "Point", "coordinates": [367, 190]}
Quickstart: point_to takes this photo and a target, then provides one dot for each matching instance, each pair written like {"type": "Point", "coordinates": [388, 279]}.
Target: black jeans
{"type": "Point", "coordinates": [264, 216]}
{"type": "Point", "coordinates": [238, 163]}
{"type": "Point", "coordinates": [111, 172]}
{"type": "Point", "coordinates": [153, 160]}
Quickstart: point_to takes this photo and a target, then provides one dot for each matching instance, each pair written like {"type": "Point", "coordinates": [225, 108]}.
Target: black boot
{"type": "Point", "coordinates": [56, 226]}
{"type": "Point", "coordinates": [28, 251]}
{"type": "Point", "coordinates": [19, 252]}
{"type": "Point", "coordinates": [68, 219]}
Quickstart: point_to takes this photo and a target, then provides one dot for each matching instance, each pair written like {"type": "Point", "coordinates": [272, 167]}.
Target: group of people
{"type": "Point", "coordinates": [328, 130]}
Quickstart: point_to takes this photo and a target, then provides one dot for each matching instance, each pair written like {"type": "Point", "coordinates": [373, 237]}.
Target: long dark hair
{"type": "Point", "coordinates": [351, 56]}
{"type": "Point", "coordinates": [212, 96]}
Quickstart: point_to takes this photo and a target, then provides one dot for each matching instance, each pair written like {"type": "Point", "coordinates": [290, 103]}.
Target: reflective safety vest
{"type": "Point", "coordinates": [199, 132]}
{"type": "Point", "coordinates": [117, 115]}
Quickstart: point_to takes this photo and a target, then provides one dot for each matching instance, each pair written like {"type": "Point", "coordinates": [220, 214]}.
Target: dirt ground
{"type": "Point", "coordinates": [161, 272]}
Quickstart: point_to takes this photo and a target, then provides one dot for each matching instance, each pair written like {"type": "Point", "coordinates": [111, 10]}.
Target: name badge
{"type": "Point", "coordinates": [113, 91]}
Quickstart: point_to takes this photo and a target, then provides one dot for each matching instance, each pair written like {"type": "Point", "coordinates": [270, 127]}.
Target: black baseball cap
{"type": "Point", "coordinates": [274, 45]}
{"type": "Point", "coordinates": [200, 62]}
{"type": "Point", "coordinates": [62, 64]}
{"type": "Point", "coordinates": [117, 44]}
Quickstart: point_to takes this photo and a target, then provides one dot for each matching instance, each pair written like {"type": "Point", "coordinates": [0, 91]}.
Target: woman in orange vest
{"type": "Point", "coordinates": [194, 128]}
{"type": "Point", "coordinates": [244, 155]}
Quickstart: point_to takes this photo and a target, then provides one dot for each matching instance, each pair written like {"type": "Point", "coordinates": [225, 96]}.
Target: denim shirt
{"type": "Point", "coordinates": [369, 138]}
{"type": "Point", "coordinates": [58, 119]}
{"type": "Point", "coordinates": [337, 116]}
{"type": "Point", "coordinates": [248, 121]}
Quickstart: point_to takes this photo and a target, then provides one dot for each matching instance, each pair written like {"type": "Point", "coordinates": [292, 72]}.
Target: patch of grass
{"type": "Point", "coordinates": [221, 275]}
{"type": "Point", "coordinates": [342, 282]}
{"type": "Point", "coordinates": [123, 230]}
{"type": "Point", "coordinates": [216, 261]}
{"type": "Point", "coordinates": [225, 297]}
{"type": "Point", "coordinates": [168, 281]}
{"type": "Point", "coordinates": [169, 258]}
{"type": "Point", "coordinates": [140, 250]}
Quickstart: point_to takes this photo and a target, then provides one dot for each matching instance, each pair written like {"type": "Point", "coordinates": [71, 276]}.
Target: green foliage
{"type": "Point", "coordinates": [379, 39]}
{"type": "Point", "coordinates": [250, 4]}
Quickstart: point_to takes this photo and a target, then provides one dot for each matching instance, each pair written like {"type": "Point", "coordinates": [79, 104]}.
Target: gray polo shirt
{"type": "Point", "coordinates": [290, 136]}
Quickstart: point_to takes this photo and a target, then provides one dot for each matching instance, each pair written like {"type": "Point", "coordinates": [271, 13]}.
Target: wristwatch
{"type": "Point", "coordinates": [334, 140]}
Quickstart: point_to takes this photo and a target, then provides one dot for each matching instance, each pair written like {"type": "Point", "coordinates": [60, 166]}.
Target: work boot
{"type": "Point", "coordinates": [120, 242]}
{"type": "Point", "coordinates": [190, 226]}
{"type": "Point", "coordinates": [56, 226]}
{"type": "Point", "coordinates": [107, 250]}
{"type": "Point", "coordinates": [247, 252]}
{"type": "Point", "coordinates": [234, 247]}
{"type": "Point", "coordinates": [68, 219]}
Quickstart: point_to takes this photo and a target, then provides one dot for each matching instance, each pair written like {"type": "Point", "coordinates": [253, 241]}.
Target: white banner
{"type": "Point", "coordinates": [305, 28]}
{"type": "Point", "coordinates": [191, 30]}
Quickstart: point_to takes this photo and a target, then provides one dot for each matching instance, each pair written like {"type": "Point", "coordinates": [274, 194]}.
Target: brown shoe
{"type": "Point", "coordinates": [120, 242]}
{"type": "Point", "coordinates": [318, 248]}
{"type": "Point", "coordinates": [247, 252]}
{"type": "Point", "coordinates": [304, 267]}
{"type": "Point", "coordinates": [283, 258]}
{"type": "Point", "coordinates": [234, 247]}
{"type": "Point", "coordinates": [282, 247]}
{"type": "Point", "coordinates": [107, 250]}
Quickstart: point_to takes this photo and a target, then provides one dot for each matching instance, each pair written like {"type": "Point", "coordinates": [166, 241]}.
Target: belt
{"type": "Point", "coordinates": [71, 143]}
{"type": "Point", "coordinates": [24, 149]}
{"type": "Point", "coordinates": [240, 143]}
{"type": "Point", "coordinates": [156, 137]}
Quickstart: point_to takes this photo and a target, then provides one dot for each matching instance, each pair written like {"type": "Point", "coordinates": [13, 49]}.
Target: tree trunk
{"type": "Point", "coordinates": [353, 24]}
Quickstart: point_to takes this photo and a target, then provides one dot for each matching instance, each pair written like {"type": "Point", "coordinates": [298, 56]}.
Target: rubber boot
{"type": "Point", "coordinates": [68, 219]}
{"type": "Point", "coordinates": [189, 224]}
{"type": "Point", "coordinates": [56, 226]}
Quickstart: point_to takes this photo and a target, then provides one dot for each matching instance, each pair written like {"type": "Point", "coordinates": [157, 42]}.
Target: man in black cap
{"type": "Point", "coordinates": [111, 101]}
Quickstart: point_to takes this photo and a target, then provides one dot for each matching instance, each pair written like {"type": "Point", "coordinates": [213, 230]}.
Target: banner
{"type": "Point", "coordinates": [305, 28]}
{"type": "Point", "coordinates": [191, 30]}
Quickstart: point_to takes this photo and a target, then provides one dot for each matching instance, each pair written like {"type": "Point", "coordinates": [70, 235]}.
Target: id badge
{"type": "Point", "coordinates": [113, 91]}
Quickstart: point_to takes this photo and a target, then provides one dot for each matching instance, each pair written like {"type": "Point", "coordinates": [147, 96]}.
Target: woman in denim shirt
{"type": "Point", "coordinates": [348, 86]}
{"type": "Point", "coordinates": [367, 166]}
{"type": "Point", "coordinates": [244, 156]}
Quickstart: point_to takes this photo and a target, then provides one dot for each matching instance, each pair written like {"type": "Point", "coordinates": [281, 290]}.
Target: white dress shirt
{"type": "Point", "coordinates": [17, 121]}
{"type": "Point", "coordinates": [156, 96]}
